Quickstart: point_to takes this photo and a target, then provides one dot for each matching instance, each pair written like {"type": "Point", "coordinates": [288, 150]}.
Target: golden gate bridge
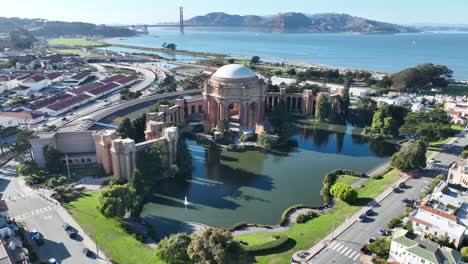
{"type": "Point", "coordinates": [143, 28]}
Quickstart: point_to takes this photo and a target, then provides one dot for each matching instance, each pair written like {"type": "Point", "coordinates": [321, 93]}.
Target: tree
{"type": "Point", "coordinates": [363, 112]}
{"type": "Point", "coordinates": [173, 249]}
{"type": "Point", "coordinates": [265, 140]}
{"type": "Point", "coordinates": [464, 253]}
{"type": "Point", "coordinates": [21, 39]}
{"type": "Point", "coordinates": [323, 108]}
{"type": "Point", "coordinates": [170, 46]}
{"type": "Point", "coordinates": [282, 121]}
{"type": "Point", "coordinates": [380, 247]}
{"type": "Point", "coordinates": [53, 159]}
{"type": "Point", "coordinates": [231, 60]}
{"type": "Point", "coordinates": [394, 223]}
{"type": "Point", "coordinates": [388, 119]}
{"type": "Point", "coordinates": [17, 100]}
{"type": "Point", "coordinates": [155, 107]}
{"type": "Point", "coordinates": [127, 129]}
{"type": "Point", "coordinates": [421, 77]}
{"type": "Point", "coordinates": [152, 164]}
{"type": "Point", "coordinates": [344, 192]}
{"type": "Point", "coordinates": [140, 126]}
{"type": "Point", "coordinates": [255, 60]}
{"type": "Point", "coordinates": [22, 142]}
{"type": "Point", "coordinates": [429, 126]}
{"type": "Point", "coordinates": [411, 156]}
{"type": "Point", "coordinates": [291, 72]}
{"type": "Point", "coordinates": [184, 160]}
{"type": "Point", "coordinates": [116, 200]}
{"type": "Point", "coordinates": [346, 100]}
{"type": "Point", "coordinates": [216, 246]}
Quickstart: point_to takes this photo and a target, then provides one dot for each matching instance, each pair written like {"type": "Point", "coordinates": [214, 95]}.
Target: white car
{"type": "Point", "coordinates": [53, 261]}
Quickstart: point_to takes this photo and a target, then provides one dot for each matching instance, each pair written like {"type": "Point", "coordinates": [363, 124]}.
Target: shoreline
{"type": "Point", "coordinates": [209, 55]}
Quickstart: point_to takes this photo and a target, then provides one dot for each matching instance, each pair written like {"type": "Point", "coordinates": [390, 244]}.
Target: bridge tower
{"type": "Point", "coordinates": [279, 23]}
{"type": "Point", "coordinates": [181, 24]}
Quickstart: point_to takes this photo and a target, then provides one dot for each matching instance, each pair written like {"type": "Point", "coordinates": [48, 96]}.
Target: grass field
{"type": "Point", "coordinates": [121, 247]}
{"type": "Point", "coordinates": [347, 179]}
{"type": "Point", "coordinates": [79, 52]}
{"type": "Point", "coordinates": [451, 91]}
{"type": "Point", "coordinates": [303, 236]}
{"type": "Point", "coordinates": [75, 42]}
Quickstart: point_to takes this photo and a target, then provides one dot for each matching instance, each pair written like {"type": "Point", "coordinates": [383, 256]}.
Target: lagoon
{"type": "Point", "coordinates": [231, 187]}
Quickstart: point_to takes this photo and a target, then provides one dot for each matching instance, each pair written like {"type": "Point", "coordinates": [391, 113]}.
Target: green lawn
{"type": "Point", "coordinates": [121, 247]}
{"type": "Point", "coordinates": [75, 42]}
{"type": "Point", "coordinates": [79, 52]}
{"type": "Point", "coordinates": [347, 179]}
{"type": "Point", "coordinates": [303, 236]}
{"type": "Point", "coordinates": [451, 91]}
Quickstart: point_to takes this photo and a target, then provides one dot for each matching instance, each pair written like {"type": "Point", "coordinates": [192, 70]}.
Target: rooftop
{"type": "Point", "coordinates": [448, 225]}
{"type": "Point", "coordinates": [68, 102]}
{"type": "Point", "coordinates": [234, 71]}
{"type": "Point", "coordinates": [20, 115]}
{"type": "Point", "coordinates": [49, 100]}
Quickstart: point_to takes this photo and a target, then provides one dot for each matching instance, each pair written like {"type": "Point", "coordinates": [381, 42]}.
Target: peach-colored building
{"type": "Point", "coordinates": [458, 173]}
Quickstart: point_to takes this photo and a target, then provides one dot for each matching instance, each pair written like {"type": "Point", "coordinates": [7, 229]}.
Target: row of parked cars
{"type": "Point", "coordinates": [71, 232]}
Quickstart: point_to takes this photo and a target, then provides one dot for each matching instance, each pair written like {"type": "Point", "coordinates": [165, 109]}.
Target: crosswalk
{"type": "Point", "coordinates": [35, 212]}
{"type": "Point", "coordinates": [344, 250]}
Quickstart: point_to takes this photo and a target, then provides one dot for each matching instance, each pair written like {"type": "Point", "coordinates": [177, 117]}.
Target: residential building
{"type": "Point", "coordinates": [65, 105]}
{"type": "Point", "coordinates": [458, 173]}
{"type": "Point", "coordinates": [407, 248]}
{"type": "Point", "coordinates": [35, 82]}
{"type": "Point", "coordinates": [15, 119]}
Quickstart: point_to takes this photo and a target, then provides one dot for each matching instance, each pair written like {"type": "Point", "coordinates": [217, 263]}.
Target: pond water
{"type": "Point", "coordinates": [230, 187]}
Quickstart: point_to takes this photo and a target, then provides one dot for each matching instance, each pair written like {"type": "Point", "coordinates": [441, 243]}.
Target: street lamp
{"type": "Point", "coordinates": [68, 167]}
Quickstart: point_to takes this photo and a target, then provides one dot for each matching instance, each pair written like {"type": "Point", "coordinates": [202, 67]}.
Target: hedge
{"type": "Point", "coordinates": [284, 216]}
{"type": "Point", "coordinates": [330, 179]}
{"type": "Point", "coordinates": [305, 217]}
{"type": "Point", "coordinates": [278, 241]}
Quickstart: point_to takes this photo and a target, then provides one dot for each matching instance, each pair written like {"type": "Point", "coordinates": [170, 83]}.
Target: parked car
{"type": "Point", "coordinates": [53, 261]}
{"type": "Point", "coordinates": [369, 212]}
{"type": "Point", "coordinates": [66, 226]}
{"type": "Point", "coordinates": [87, 252]}
{"type": "Point", "coordinates": [362, 217]}
{"type": "Point", "coordinates": [71, 233]}
{"type": "Point", "coordinates": [383, 232]}
{"type": "Point", "coordinates": [396, 189]}
{"type": "Point", "coordinates": [402, 185]}
{"type": "Point", "coordinates": [37, 237]}
{"type": "Point", "coordinates": [404, 200]}
{"type": "Point", "coordinates": [371, 239]}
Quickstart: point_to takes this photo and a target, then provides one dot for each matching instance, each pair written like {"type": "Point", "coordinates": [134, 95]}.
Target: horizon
{"type": "Point", "coordinates": [121, 12]}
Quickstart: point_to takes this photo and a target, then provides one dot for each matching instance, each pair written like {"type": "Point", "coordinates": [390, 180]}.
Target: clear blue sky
{"type": "Point", "coordinates": [150, 11]}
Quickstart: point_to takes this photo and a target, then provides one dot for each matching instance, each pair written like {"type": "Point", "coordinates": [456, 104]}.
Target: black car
{"type": "Point", "coordinates": [87, 252]}
{"type": "Point", "coordinates": [369, 212]}
{"type": "Point", "coordinates": [71, 233]}
{"type": "Point", "coordinates": [383, 232]}
{"type": "Point", "coordinates": [66, 226]}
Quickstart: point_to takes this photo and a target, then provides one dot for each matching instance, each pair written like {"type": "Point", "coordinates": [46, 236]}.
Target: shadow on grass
{"type": "Point", "coordinates": [290, 244]}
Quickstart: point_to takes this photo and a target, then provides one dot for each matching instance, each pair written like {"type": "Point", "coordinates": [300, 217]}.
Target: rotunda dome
{"type": "Point", "coordinates": [234, 71]}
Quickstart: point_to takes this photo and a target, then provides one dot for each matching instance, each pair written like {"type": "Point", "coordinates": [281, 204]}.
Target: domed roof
{"type": "Point", "coordinates": [234, 71]}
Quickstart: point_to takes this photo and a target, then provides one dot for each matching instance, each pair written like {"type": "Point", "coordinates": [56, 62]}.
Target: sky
{"type": "Point", "coordinates": [153, 11]}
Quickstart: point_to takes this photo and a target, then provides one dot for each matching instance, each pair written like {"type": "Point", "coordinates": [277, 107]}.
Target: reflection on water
{"type": "Point", "coordinates": [228, 187]}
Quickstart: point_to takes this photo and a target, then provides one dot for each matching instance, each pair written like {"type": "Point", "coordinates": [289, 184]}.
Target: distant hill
{"type": "Point", "coordinates": [303, 23]}
{"type": "Point", "coordinates": [45, 28]}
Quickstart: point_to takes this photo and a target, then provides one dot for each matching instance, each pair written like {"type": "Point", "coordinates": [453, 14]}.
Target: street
{"type": "Point", "coordinates": [345, 248]}
{"type": "Point", "coordinates": [25, 205]}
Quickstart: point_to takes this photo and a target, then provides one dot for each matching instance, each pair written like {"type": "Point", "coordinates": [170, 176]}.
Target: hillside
{"type": "Point", "coordinates": [45, 28]}
{"type": "Point", "coordinates": [303, 23]}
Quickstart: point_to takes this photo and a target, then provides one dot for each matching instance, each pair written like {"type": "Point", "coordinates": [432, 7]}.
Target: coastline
{"type": "Point", "coordinates": [209, 55]}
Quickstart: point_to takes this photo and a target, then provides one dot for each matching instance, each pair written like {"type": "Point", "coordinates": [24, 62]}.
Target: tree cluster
{"type": "Point", "coordinates": [21, 39]}
{"type": "Point", "coordinates": [117, 200]}
{"type": "Point", "coordinates": [428, 126]}
{"type": "Point", "coordinates": [213, 246]}
{"type": "Point", "coordinates": [363, 112]}
{"type": "Point", "coordinates": [126, 94]}
{"type": "Point", "coordinates": [380, 247]}
{"type": "Point", "coordinates": [53, 159]}
{"type": "Point", "coordinates": [282, 121]}
{"type": "Point", "coordinates": [412, 155]}
{"type": "Point", "coordinates": [387, 121]}
{"type": "Point", "coordinates": [421, 77]}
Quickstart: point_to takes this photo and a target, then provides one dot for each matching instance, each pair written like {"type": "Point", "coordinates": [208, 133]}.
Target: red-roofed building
{"type": "Point", "coordinates": [85, 88]}
{"type": "Point", "coordinates": [128, 80]}
{"type": "Point", "coordinates": [105, 89]}
{"type": "Point", "coordinates": [68, 104]}
{"type": "Point", "coordinates": [35, 82]}
{"type": "Point", "coordinates": [15, 119]}
{"type": "Point", "coordinates": [113, 78]}
{"type": "Point", "coordinates": [38, 104]}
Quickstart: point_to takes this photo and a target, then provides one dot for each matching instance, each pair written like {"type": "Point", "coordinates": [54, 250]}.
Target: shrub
{"type": "Point", "coordinates": [27, 168]}
{"type": "Point", "coordinates": [344, 192]}
{"type": "Point", "coordinates": [330, 179]}
{"type": "Point", "coordinates": [380, 247]}
{"type": "Point", "coordinates": [464, 253]}
{"type": "Point", "coordinates": [278, 241]}
{"type": "Point", "coordinates": [284, 216]}
{"type": "Point", "coordinates": [305, 217]}
{"type": "Point", "coordinates": [394, 223]}
{"type": "Point", "coordinates": [408, 226]}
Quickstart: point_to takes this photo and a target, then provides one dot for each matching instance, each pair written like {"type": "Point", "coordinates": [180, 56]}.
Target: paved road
{"type": "Point", "coordinates": [346, 247]}
{"type": "Point", "coordinates": [27, 206]}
